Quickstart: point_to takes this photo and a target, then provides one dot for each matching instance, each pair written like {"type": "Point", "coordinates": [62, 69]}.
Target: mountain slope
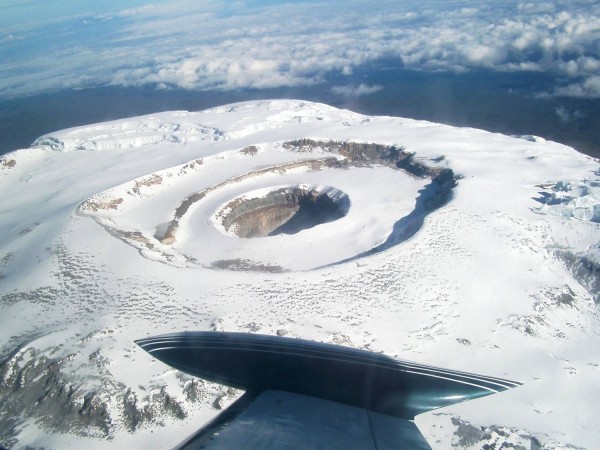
{"type": "Point", "coordinates": [457, 248]}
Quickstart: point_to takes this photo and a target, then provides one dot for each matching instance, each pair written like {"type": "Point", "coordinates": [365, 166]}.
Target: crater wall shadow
{"type": "Point", "coordinates": [431, 197]}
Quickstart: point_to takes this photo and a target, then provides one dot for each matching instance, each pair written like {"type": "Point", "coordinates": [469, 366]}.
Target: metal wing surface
{"type": "Point", "coordinates": [303, 394]}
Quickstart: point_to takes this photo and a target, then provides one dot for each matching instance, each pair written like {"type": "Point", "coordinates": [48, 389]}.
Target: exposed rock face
{"type": "Point", "coordinates": [495, 437]}
{"type": "Point", "coordinates": [7, 163]}
{"type": "Point", "coordinates": [286, 210]}
{"type": "Point", "coordinates": [34, 385]}
{"type": "Point", "coordinates": [356, 152]}
{"type": "Point", "coordinates": [585, 269]}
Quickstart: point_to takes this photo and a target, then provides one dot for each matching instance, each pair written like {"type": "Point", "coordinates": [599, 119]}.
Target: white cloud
{"type": "Point", "coordinates": [566, 115]}
{"type": "Point", "coordinates": [220, 45]}
{"type": "Point", "coordinates": [588, 88]}
{"type": "Point", "coordinates": [563, 114]}
{"type": "Point", "coordinates": [355, 91]}
{"type": "Point", "coordinates": [347, 70]}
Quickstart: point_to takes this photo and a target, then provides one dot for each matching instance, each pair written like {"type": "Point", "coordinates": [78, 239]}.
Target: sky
{"type": "Point", "coordinates": [204, 45]}
{"type": "Point", "coordinates": [510, 66]}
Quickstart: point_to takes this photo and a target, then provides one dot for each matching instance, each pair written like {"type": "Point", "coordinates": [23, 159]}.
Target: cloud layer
{"type": "Point", "coordinates": [254, 44]}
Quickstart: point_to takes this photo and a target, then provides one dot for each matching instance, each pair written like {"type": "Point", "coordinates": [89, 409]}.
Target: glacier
{"type": "Point", "coordinates": [116, 231]}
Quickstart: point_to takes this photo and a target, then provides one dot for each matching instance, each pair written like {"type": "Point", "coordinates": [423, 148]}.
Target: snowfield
{"type": "Point", "coordinates": [456, 248]}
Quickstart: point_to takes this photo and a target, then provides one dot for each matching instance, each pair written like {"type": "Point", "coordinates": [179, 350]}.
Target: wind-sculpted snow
{"type": "Point", "coordinates": [450, 253]}
{"type": "Point", "coordinates": [123, 134]}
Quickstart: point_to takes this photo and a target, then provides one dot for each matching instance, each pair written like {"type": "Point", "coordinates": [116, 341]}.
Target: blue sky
{"type": "Point", "coordinates": [213, 45]}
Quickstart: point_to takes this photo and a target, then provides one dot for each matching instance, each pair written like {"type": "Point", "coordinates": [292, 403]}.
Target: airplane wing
{"type": "Point", "coordinates": [307, 395]}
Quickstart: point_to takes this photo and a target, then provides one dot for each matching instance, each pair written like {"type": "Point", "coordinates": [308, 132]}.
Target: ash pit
{"type": "Point", "coordinates": [286, 210]}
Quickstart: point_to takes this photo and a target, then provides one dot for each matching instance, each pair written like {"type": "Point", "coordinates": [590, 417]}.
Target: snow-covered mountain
{"type": "Point", "coordinates": [448, 246]}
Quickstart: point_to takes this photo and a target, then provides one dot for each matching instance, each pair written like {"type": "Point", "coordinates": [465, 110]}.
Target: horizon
{"type": "Point", "coordinates": [509, 67]}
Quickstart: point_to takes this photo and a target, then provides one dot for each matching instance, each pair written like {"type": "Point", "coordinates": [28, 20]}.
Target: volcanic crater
{"type": "Point", "coordinates": [283, 210]}
{"type": "Point", "coordinates": [279, 192]}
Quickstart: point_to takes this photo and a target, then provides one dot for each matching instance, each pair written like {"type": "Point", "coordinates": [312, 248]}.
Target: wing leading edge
{"type": "Point", "coordinates": [304, 394]}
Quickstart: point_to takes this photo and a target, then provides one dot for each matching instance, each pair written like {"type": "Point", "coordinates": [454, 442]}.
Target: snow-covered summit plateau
{"type": "Point", "coordinates": [447, 246]}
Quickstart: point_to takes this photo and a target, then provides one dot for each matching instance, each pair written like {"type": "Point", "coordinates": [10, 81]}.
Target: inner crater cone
{"type": "Point", "coordinates": [286, 210]}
